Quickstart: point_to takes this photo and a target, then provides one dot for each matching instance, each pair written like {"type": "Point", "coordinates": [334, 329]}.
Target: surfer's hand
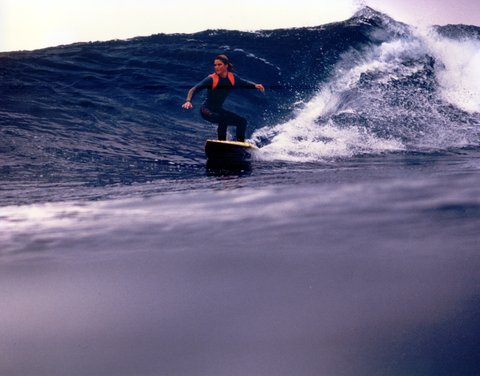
{"type": "Point", "coordinates": [260, 87]}
{"type": "Point", "coordinates": [187, 105]}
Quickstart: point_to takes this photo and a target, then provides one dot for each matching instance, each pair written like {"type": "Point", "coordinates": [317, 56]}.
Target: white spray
{"type": "Point", "coordinates": [313, 134]}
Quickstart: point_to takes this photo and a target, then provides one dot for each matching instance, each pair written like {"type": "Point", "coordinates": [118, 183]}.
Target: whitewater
{"type": "Point", "coordinates": [349, 246]}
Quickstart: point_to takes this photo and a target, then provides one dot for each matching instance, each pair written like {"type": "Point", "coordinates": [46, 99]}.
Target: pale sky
{"type": "Point", "coordinates": [33, 24]}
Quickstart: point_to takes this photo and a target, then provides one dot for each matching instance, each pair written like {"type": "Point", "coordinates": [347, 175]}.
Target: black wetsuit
{"type": "Point", "coordinates": [212, 108]}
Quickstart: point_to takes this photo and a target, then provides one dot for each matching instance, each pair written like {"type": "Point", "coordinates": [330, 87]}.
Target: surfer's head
{"type": "Point", "coordinates": [222, 64]}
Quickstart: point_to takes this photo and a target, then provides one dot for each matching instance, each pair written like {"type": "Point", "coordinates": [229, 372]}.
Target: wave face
{"type": "Point", "coordinates": [110, 112]}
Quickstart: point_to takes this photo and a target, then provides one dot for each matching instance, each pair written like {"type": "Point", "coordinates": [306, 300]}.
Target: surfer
{"type": "Point", "coordinates": [218, 85]}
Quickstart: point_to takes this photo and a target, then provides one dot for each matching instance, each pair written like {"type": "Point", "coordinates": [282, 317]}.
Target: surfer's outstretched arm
{"type": "Point", "coordinates": [188, 103]}
{"type": "Point", "coordinates": [206, 82]}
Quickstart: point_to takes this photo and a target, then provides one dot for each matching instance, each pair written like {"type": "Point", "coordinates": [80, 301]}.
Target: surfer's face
{"type": "Point", "coordinates": [220, 68]}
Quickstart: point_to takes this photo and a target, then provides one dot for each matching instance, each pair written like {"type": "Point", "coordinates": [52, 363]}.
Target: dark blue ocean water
{"type": "Point", "coordinates": [349, 246]}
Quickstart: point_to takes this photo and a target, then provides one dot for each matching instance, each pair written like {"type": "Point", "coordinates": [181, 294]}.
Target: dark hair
{"type": "Point", "coordinates": [224, 60]}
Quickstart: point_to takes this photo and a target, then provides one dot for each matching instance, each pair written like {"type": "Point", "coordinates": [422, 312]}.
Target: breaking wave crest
{"type": "Point", "coordinates": [417, 91]}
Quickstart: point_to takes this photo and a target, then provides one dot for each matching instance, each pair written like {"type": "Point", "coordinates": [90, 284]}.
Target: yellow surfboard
{"type": "Point", "coordinates": [229, 150]}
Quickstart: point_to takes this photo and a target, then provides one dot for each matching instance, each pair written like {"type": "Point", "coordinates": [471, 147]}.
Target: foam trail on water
{"type": "Point", "coordinates": [302, 139]}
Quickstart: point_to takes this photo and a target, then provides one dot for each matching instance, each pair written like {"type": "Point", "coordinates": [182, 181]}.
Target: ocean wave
{"type": "Point", "coordinates": [366, 85]}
